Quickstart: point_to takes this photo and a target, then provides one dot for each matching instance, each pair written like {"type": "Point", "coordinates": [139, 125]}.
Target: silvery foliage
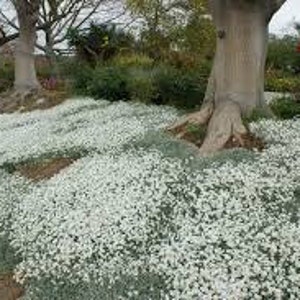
{"type": "Point", "coordinates": [10, 189]}
{"type": "Point", "coordinates": [227, 231]}
{"type": "Point", "coordinates": [81, 124]}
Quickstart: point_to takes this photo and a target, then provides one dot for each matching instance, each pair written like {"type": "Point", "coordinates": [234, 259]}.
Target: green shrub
{"type": "Point", "coordinates": [178, 88]}
{"type": "Point", "coordinates": [44, 71]}
{"type": "Point", "coordinates": [286, 108]}
{"type": "Point", "coordinates": [109, 83]}
{"type": "Point", "coordinates": [81, 76]}
{"type": "Point", "coordinates": [158, 85]}
{"type": "Point", "coordinates": [282, 54]}
{"type": "Point", "coordinates": [141, 86]}
{"type": "Point", "coordinates": [133, 60]}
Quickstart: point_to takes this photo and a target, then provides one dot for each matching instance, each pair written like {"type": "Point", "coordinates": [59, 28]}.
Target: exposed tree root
{"type": "Point", "coordinates": [226, 122]}
{"type": "Point", "coordinates": [224, 129]}
{"type": "Point", "coordinates": [199, 118]}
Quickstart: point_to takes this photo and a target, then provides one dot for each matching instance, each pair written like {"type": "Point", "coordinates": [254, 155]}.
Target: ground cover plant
{"type": "Point", "coordinates": [139, 216]}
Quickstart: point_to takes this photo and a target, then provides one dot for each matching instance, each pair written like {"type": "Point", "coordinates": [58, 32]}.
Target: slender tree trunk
{"type": "Point", "coordinates": [25, 71]}
{"type": "Point", "coordinates": [236, 84]}
{"type": "Point", "coordinates": [52, 59]}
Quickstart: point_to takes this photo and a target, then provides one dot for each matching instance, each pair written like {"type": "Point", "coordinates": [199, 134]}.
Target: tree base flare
{"type": "Point", "coordinates": [13, 101]}
{"type": "Point", "coordinates": [212, 130]}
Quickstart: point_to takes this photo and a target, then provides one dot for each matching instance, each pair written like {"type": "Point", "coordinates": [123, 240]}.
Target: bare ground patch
{"type": "Point", "coordinates": [14, 102]}
{"type": "Point", "coordinates": [9, 288]}
{"type": "Point", "coordinates": [45, 169]}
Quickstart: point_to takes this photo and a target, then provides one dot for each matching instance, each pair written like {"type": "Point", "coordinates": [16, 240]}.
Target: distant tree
{"type": "Point", "coordinates": [25, 72]}
{"type": "Point", "coordinates": [198, 34]}
{"type": "Point", "coordinates": [159, 21]}
{"type": "Point", "coordinates": [55, 18]}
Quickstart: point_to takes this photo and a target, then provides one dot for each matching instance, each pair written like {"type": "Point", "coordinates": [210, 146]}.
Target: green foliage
{"type": "Point", "coordinates": [82, 75]}
{"type": "Point", "coordinates": [258, 114]}
{"type": "Point", "coordinates": [158, 23]}
{"type": "Point", "coordinates": [198, 132]}
{"type": "Point", "coordinates": [278, 82]}
{"type": "Point", "coordinates": [157, 84]}
{"type": "Point", "coordinates": [167, 25]}
{"type": "Point", "coordinates": [142, 85]}
{"type": "Point", "coordinates": [133, 60]}
{"type": "Point", "coordinates": [8, 259]}
{"type": "Point", "coordinates": [168, 86]}
{"type": "Point", "coordinates": [179, 88]}
{"type": "Point", "coordinates": [6, 75]}
{"type": "Point", "coordinates": [283, 65]}
{"type": "Point", "coordinates": [198, 37]}
{"type": "Point", "coordinates": [109, 83]}
{"type": "Point", "coordinates": [100, 42]}
{"type": "Point", "coordinates": [286, 108]}
{"type": "Point", "coordinates": [283, 55]}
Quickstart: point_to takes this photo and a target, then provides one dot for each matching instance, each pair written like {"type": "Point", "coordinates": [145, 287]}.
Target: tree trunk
{"type": "Point", "coordinates": [25, 71]}
{"type": "Point", "coordinates": [236, 84]}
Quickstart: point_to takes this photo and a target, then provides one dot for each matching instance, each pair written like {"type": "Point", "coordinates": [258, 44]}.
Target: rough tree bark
{"type": "Point", "coordinates": [236, 84]}
{"type": "Point", "coordinates": [25, 72]}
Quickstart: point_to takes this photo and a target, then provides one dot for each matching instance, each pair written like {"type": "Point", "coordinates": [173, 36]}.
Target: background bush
{"type": "Point", "coordinates": [276, 81]}
{"type": "Point", "coordinates": [81, 76]}
{"type": "Point", "coordinates": [100, 42]}
{"type": "Point", "coordinates": [142, 85]}
{"type": "Point", "coordinates": [159, 84]}
{"type": "Point", "coordinates": [283, 55]}
{"type": "Point", "coordinates": [283, 65]}
{"type": "Point", "coordinates": [6, 74]}
{"type": "Point", "coordinates": [179, 88]}
{"type": "Point", "coordinates": [108, 83]}
{"type": "Point", "coordinates": [286, 108]}
{"type": "Point", "coordinates": [133, 60]}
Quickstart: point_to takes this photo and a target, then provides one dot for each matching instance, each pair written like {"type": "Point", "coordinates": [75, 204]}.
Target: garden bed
{"type": "Point", "coordinates": [140, 215]}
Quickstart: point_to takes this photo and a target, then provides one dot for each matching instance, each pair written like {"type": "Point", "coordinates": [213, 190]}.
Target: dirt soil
{"type": "Point", "coordinates": [250, 142]}
{"type": "Point", "coordinates": [9, 289]}
{"type": "Point", "coordinates": [45, 169]}
{"type": "Point", "coordinates": [12, 102]}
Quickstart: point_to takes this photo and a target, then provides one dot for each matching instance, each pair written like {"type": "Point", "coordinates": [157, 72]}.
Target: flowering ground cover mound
{"type": "Point", "coordinates": [139, 216]}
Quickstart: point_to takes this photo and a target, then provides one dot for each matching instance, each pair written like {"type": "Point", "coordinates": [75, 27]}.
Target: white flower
{"type": "Point", "coordinates": [219, 230]}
